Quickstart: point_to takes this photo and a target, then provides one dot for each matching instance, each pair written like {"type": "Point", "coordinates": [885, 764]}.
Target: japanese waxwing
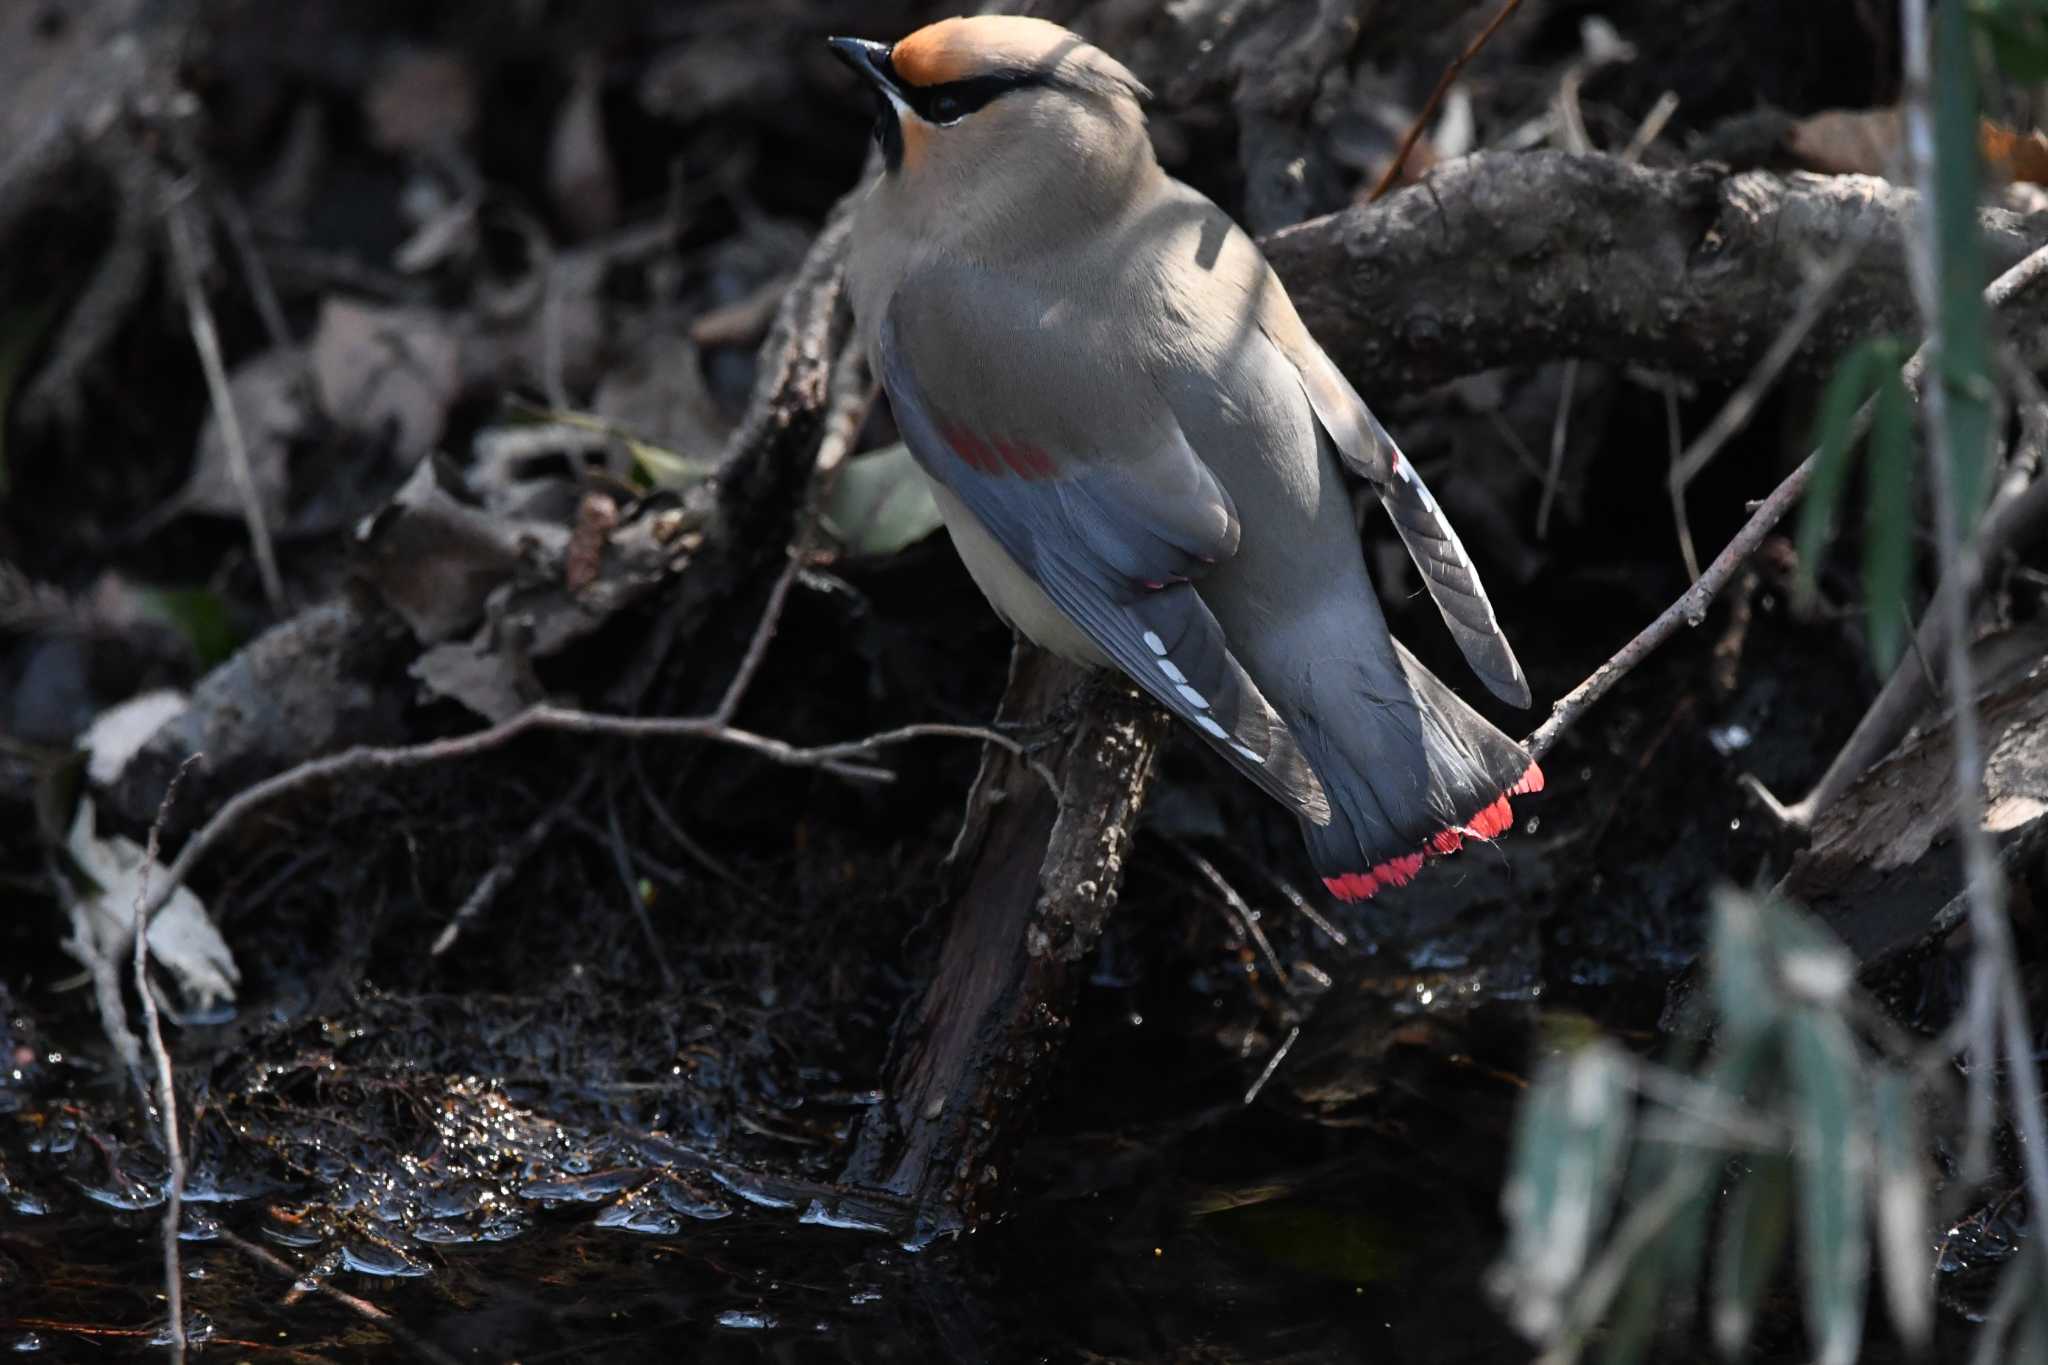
{"type": "Point", "coordinates": [1137, 445]}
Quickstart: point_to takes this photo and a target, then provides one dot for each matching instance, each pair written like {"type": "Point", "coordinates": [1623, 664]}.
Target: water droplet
{"type": "Point", "coordinates": [743, 1321]}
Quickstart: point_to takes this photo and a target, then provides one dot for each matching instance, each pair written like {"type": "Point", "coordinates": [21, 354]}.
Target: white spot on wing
{"type": "Point", "coordinates": [1195, 699]}
{"type": "Point", "coordinates": [1173, 673]}
{"type": "Point", "coordinates": [1154, 643]}
{"type": "Point", "coordinates": [1250, 755]}
{"type": "Point", "coordinates": [1212, 727]}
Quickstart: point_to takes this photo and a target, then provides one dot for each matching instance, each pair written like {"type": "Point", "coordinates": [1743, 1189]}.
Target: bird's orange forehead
{"type": "Point", "coordinates": [955, 49]}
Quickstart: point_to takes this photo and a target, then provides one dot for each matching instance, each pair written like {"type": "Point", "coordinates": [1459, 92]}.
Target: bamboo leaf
{"type": "Point", "coordinates": [1752, 1246]}
{"type": "Point", "coordinates": [1660, 1172]}
{"type": "Point", "coordinates": [1571, 1138]}
{"type": "Point", "coordinates": [2019, 40]}
{"type": "Point", "coordinates": [1855, 376]}
{"type": "Point", "coordinates": [1745, 993]}
{"type": "Point", "coordinates": [1888, 529]}
{"type": "Point", "coordinates": [1833, 1161]}
{"type": "Point", "coordinates": [1899, 1211]}
{"type": "Point", "coordinates": [1965, 356]}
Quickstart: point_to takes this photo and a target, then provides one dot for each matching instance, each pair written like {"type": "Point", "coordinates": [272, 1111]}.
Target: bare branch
{"type": "Point", "coordinates": [206, 340]}
{"type": "Point", "coordinates": [835, 758]}
{"type": "Point", "coordinates": [166, 1089]}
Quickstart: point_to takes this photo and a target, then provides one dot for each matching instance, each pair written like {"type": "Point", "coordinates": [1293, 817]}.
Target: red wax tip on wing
{"type": "Point", "coordinates": [1530, 783]}
{"type": "Point", "coordinates": [970, 448]}
{"type": "Point", "coordinates": [1447, 841]}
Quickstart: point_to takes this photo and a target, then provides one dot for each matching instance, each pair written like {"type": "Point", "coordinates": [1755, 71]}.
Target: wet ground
{"type": "Point", "coordinates": [539, 1154]}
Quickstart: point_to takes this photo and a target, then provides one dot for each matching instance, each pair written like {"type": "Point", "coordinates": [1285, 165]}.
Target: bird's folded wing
{"type": "Point", "coordinates": [1368, 451]}
{"type": "Point", "coordinates": [1113, 537]}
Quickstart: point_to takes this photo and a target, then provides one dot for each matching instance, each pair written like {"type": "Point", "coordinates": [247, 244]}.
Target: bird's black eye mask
{"type": "Point", "coordinates": [944, 104]}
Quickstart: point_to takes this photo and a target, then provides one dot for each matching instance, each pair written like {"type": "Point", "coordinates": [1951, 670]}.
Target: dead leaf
{"type": "Point", "coordinates": [272, 408]}
{"type": "Point", "coordinates": [658, 395]}
{"type": "Point", "coordinates": [491, 681]}
{"type": "Point", "coordinates": [118, 733]}
{"type": "Point", "coordinates": [386, 370]}
{"type": "Point", "coordinates": [1869, 141]}
{"type": "Point", "coordinates": [181, 937]}
{"type": "Point", "coordinates": [581, 179]}
{"type": "Point", "coordinates": [709, 74]}
{"type": "Point", "coordinates": [1847, 141]}
{"type": "Point", "coordinates": [2012, 156]}
{"type": "Point", "coordinates": [433, 557]}
{"type": "Point", "coordinates": [419, 101]}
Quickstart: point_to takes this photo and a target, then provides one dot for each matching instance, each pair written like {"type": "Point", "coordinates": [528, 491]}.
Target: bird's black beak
{"type": "Point", "coordinates": [869, 60]}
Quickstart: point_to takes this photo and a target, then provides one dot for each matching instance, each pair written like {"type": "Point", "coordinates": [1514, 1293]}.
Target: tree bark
{"type": "Point", "coordinates": [1510, 258]}
{"type": "Point", "coordinates": [1040, 874]}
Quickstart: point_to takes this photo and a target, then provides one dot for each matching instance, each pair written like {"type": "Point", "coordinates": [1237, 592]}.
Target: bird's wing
{"type": "Point", "coordinates": [1079, 472]}
{"type": "Point", "coordinates": [1368, 451]}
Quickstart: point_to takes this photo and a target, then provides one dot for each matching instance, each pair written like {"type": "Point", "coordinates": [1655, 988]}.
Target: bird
{"type": "Point", "coordinates": [1138, 448]}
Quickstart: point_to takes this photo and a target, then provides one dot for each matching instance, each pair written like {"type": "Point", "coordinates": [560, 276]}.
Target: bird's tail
{"type": "Point", "coordinates": [1411, 771]}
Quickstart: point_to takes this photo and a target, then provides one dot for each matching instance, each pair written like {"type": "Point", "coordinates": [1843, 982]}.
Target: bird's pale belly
{"type": "Point", "coordinates": [1008, 588]}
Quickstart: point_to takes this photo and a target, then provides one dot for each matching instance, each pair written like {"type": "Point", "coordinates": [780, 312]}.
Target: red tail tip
{"type": "Point", "coordinates": [1491, 822]}
{"type": "Point", "coordinates": [1357, 886]}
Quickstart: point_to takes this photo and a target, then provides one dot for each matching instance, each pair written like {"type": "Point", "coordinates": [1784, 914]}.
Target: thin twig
{"type": "Point", "coordinates": [255, 271]}
{"type": "Point", "coordinates": [1678, 512]}
{"type": "Point", "coordinates": [696, 851]}
{"type": "Point", "coordinates": [622, 859]}
{"type": "Point", "coordinates": [362, 1308]}
{"type": "Point", "coordinates": [835, 758]}
{"type": "Point", "coordinates": [1559, 427]}
{"type": "Point", "coordinates": [1241, 909]}
{"type": "Point", "coordinates": [166, 1088]}
{"type": "Point", "coordinates": [206, 340]}
{"type": "Point", "coordinates": [1691, 606]}
{"type": "Point", "coordinates": [1436, 97]}
{"type": "Point", "coordinates": [1652, 125]}
{"type": "Point", "coordinates": [764, 632]}
{"type": "Point", "coordinates": [1734, 415]}
{"type": "Point", "coordinates": [1690, 610]}
{"type": "Point", "coordinates": [1273, 1063]}
{"type": "Point", "coordinates": [514, 854]}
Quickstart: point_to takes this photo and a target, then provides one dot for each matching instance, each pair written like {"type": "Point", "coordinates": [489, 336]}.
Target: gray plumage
{"type": "Point", "coordinates": [1137, 445]}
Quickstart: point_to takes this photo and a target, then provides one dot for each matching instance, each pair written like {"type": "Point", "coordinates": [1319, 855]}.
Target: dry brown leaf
{"type": "Point", "coordinates": [271, 408]}
{"type": "Point", "coordinates": [420, 101]}
{"type": "Point", "coordinates": [386, 368]}
{"type": "Point", "coordinates": [1868, 142]}
{"type": "Point", "coordinates": [581, 179]}
{"type": "Point", "coordinates": [1846, 141]}
{"type": "Point", "coordinates": [2010, 155]}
